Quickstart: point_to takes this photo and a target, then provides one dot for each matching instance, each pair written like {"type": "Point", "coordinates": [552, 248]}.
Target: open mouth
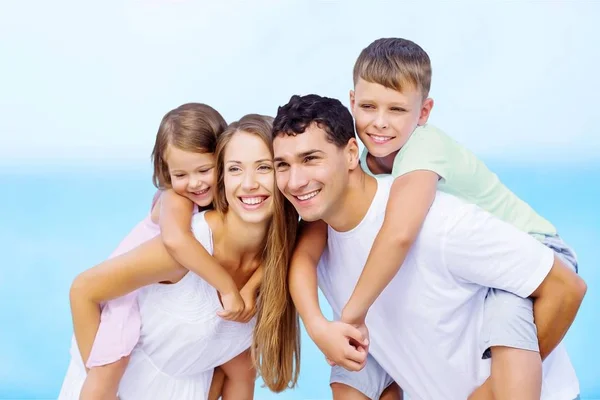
{"type": "Point", "coordinates": [252, 202]}
{"type": "Point", "coordinates": [379, 139]}
{"type": "Point", "coordinates": [307, 196]}
{"type": "Point", "coordinates": [200, 192]}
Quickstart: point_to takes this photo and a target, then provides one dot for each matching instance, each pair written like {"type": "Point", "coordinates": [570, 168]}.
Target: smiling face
{"type": "Point", "coordinates": [248, 177]}
{"type": "Point", "coordinates": [385, 118]}
{"type": "Point", "coordinates": [312, 172]}
{"type": "Point", "coordinates": [192, 174]}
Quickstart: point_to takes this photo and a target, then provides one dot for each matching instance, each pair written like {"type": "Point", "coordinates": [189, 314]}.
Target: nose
{"type": "Point", "coordinates": [297, 179]}
{"type": "Point", "coordinates": [194, 183]}
{"type": "Point", "coordinates": [380, 121]}
{"type": "Point", "coordinates": [249, 182]}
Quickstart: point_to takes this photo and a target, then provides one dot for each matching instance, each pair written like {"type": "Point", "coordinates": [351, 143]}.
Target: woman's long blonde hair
{"type": "Point", "coordinates": [276, 340]}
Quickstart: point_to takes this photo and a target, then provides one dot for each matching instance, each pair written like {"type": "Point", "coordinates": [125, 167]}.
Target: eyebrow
{"type": "Point", "coordinates": [256, 162]}
{"type": "Point", "coordinates": [302, 155]}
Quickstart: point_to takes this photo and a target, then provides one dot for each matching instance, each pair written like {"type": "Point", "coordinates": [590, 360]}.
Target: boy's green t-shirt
{"type": "Point", "coordinates": [464, 176]}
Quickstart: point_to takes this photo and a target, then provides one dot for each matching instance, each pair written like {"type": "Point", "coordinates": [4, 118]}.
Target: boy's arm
{"type": "Point", "coordinates": [410, 198]}
{"type": "Point", "coordinates": [332, 338]}
{"type": "Point", "coordinates": [149, 263]}
{"type": "Point", "coordinates": [175, 225]}
{"type": "Point", "coordinates": [312, 240]}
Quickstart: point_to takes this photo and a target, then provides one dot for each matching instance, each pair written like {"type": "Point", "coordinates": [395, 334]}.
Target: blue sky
{"type": "Point", "coordinates": [88, 82]}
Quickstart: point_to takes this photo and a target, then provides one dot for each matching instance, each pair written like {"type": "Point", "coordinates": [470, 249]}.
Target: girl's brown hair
{"type": "Point", "coordinates": [276, 340]}
{"type": "Point", "coordinates": [190, 127]}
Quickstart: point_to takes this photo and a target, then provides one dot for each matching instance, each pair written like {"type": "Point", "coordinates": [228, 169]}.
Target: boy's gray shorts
{"type": "Point", "coordinates": [371, 381]}
{"type": "Point", "coordinates": [508, 321]}
{"type": "Point", "coordinates": [508, 318]}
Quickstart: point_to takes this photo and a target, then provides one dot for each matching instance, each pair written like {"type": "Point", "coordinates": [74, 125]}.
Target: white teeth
{"type": "Point", "coordinates": [252, 200]}
{"type": "Point", "coordinates": [199, 192]}
{"type": "Point", "coordinates": [308, 195]}
{"type": "Point", "coordinates": [380, 139]}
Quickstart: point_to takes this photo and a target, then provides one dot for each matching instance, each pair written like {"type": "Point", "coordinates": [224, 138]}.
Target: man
{"type": "Point", "coordinates": [426, 326]}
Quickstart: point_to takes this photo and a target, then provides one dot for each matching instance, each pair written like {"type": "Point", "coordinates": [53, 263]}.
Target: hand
{"type": "Point", "coordinates": [233, 306]}
{"type": "Point", "coordinates": [341, 343]}
{"type": "Point", "coordinates": [357, 320]}
{"type": "Point", "coordinates": [249, 297]}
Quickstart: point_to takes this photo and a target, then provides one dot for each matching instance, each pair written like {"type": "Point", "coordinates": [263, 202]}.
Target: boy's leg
{"type": "Point", "coordinates": [392, 392]}
{"type": "Point", "coordinates": [510, 339]}
{"type": "Point", "coordinates": [370, 383]}
{"type": "Point", "coordinates": [102, 383]}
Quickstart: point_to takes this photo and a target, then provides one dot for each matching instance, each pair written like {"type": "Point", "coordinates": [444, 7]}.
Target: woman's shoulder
{"type": "Point", "coordinates": [204, 223]}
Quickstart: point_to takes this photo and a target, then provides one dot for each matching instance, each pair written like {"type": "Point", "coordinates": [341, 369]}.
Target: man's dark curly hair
{"type": "Point", "coordinates": [329, 114]}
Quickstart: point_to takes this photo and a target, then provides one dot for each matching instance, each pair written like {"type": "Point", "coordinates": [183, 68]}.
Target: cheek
{"type": "Point", "coordinates": [282, 179]}
{"type": "Point", "coordinates": [209, 179]}
{"type": "Point", "coordinates": [268, 181]}
{"type": "Point", "coordinates": [361, 119]}
{"type": "Point", "coordinates": [179, 185]}
{"type": "Point", "coordinates": [230, 183]}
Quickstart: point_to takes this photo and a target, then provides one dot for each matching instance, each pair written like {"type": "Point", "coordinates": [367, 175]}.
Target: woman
{"type": "Point", "coordinates": [182, 338]}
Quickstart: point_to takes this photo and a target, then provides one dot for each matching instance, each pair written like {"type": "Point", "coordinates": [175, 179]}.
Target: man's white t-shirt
{"type": "Point", "coordinates": [425, 327]}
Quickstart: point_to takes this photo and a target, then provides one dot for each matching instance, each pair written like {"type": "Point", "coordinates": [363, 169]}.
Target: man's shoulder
{"type": "Point", "coordinates": [444, 210]}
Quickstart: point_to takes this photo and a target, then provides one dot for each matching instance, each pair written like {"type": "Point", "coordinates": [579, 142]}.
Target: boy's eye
{"type": "Point", "coordinates": [399, 109]}
{"type": "Point", "coordinates": [309, 158]}
{"type": "Point", "coordinates": [367, 106]}
{"type": "Point", "coordinates": [281, 165]}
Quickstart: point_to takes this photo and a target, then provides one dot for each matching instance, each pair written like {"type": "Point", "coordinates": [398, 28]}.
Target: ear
{"type": "Point", "coordinates": [425, 111]}
{"type": "Point", "coordinates": [352, 101]}
{"type": "Point", "coordinates": [352, 154]}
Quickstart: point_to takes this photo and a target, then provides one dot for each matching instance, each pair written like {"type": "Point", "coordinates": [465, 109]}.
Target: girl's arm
{"type": "Point", "coordinates": [410, 198]}
{"type": "Point", "coordinates": [147, 264]}
{"type": "Point", "coordinates": [176, 231]}
{"type": "Point", "coordinates": [249, 294]}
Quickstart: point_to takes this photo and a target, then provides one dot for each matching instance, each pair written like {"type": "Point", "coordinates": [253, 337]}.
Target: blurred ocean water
{"type": "Point", "coordinates": [58, 221]}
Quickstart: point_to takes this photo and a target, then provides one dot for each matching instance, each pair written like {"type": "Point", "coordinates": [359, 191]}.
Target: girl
{"type": "Point", "coordinates": [184, 174]}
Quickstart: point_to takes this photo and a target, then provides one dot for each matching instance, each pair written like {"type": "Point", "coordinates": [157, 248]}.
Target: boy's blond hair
{"type": "Point", "coordinates": [396, 64]}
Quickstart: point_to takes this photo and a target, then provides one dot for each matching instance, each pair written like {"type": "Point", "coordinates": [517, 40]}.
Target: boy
{"type": "Point", "coordinates": [391, 106]}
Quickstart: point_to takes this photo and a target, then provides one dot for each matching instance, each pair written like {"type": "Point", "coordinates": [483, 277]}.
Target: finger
{"type": "Point", "coordinates": [351, 365]}
{"type": "Point", "coordinates": [356, 335]}
{"type": "Point", "coordinates": [358, 346]}
{"type": "Point", "coordinates": [352, 354]}
{"type": "Point", "coordinates": [226, 314]}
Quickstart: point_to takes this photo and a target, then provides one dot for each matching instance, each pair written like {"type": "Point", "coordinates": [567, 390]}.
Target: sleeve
{"type": "Point", "coordinates": [482, 249]}
{"type": "Point", "coordinates": [427, 149]}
